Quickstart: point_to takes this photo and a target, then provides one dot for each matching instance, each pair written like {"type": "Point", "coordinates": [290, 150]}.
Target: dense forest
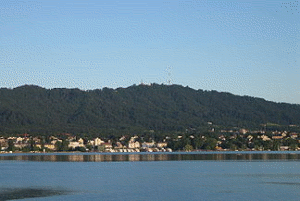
{"type": "Point", "coordinates": [138, 108]}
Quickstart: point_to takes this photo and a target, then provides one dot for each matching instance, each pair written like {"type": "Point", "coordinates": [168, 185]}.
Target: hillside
{"type": "Point", "coordinates": [32, 109]}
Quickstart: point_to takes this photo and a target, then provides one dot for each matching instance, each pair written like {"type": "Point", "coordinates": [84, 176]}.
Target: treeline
{"type": "Point", "coordinates": [136, 109]}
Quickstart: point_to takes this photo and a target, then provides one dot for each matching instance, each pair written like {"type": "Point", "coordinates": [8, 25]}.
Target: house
{"type": "Point", "coordinates": [148, 144]}
{"type": "Point", "coordinates": [80, 141]}
{"type": "Point", "coordinates": [55, 140]}
{"type": "Point", "coordinates": [122, 138]}
{"type": "Point", "coordinates": [294, 135]}
{"type": "Point", "coordinates": [21, 145]}
{"type": "Point", "coordinates": [243, 131]}
{"type": "Point", "coordinates": [19, 140]}
{"type": "Point", "coordinates": [264, 138]}
{"type": "Point", "coordinates": [133, 145]}
{"type": "Point", "coordinates": [119, 145]}
{"type": "Point", "coordinates": [284, 148]}
{"type": "Point", "coordinates": [107, 145]}
{"type": "Point", "coordinates": [49, 146]}
{"type": "Point", "coordinates": [75, 144]}
{"type": "Point", "coordinates": [222, 137]}
{"type": "Point", "coordinates": [38, 145]}
{"type": "Point", "coordinates": [36, 140]}
{"type": "Point", "coordinates": [162, 144]}
{"type": "Point", "coordinates": [250, 137]}
{"type": "Point", "coordinates": [98, 141]}
{"type": "Point", "coordinates": [277, 137]}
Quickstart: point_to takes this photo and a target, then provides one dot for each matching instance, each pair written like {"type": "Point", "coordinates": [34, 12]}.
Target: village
{"type": "Point", "coordinates": [28, 143]}
{"type": "Point", "coordinates": [223, 140]}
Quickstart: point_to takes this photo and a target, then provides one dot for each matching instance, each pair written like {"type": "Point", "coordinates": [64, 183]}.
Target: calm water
{"type": "Point", "coordinates": [208, 176]}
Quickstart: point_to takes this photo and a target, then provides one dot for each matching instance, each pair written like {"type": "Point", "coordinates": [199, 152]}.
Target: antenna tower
{"type": "Point", "coordinates": [169, 75]}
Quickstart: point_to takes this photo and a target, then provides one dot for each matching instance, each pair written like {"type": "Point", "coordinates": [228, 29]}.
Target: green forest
{"type": "Point", "coordinates": [135, 109]}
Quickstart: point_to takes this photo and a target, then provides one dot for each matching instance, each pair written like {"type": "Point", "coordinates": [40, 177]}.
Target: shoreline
{"type": "Point", "coordinates": [158, 152]}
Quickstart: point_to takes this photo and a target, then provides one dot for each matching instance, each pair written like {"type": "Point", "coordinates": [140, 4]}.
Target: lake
{"type": "Point", "coordinates": [171, 176]}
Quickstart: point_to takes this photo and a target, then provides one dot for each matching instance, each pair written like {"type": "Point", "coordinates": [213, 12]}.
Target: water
{"type": "Point", "coordinates": [209, 176]}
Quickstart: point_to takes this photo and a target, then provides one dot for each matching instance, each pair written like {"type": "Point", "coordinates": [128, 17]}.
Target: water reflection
{"type": "Point", "coordinates": [284, 183]}
{"type": "Point", "coordinates": [152, 157]}
{"type": "Point", "coordinates": [22, 193]}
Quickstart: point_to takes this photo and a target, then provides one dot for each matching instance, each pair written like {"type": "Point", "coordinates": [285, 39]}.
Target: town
{"type": "Point", "coordinates": [191, 140]}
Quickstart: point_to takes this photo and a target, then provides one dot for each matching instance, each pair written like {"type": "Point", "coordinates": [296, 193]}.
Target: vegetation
{"type": "Point", "coordinates": [150, 111]}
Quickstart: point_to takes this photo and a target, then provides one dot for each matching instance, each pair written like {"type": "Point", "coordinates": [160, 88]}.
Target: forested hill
{"type": "Point", "coordinates": [164, 108]}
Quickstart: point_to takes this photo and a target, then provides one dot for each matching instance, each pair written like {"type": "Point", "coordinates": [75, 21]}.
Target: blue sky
{"type": "Point", "coordinates": [242, 47]}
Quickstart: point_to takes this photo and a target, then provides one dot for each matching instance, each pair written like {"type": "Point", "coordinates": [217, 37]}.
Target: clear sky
{"type": "Point", "coordinates": [242, 47]}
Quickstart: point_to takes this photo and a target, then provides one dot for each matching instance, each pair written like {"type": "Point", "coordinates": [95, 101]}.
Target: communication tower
{"type": "Point", "coordinates": [169, 75]}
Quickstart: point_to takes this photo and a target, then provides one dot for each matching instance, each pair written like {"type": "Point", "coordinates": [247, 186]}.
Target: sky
{"type": "Point", "coordinates": [243, 47]}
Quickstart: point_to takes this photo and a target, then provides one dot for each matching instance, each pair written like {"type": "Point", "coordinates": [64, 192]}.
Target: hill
{"type": "Point", "coordinates": [163, 108]}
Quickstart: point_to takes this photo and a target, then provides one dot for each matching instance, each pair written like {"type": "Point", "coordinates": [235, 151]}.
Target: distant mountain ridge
{"type": "Point", "coordinates": [165, 108]}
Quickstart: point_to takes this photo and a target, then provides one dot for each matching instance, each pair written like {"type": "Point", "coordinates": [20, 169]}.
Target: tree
{"type": "Point", "coordinates": [62, 145]}
{"type": "Point", "coordinates": [188, 147]}
{"type": "Point", "coordinates": [26, 149]}
{"type": "Point", "coordinates": [276, 145]}
{"type": "Point", "coordinates": [198, 143]}
{"type": "Point", "coordinates": [293, 146]}
{"type": "Point", "coordinates": [81, 149]}
{"type": "Point", "coordinates": [210, 144]}
{"type": "Point", "coordinates": [11, 145]}
{"type": "Point", "coordinates": [32, 145]}
{"type": "Point", "coordinates": [89, 147]}
{"type": "Point", "coordinates": [58, 145]}
{"type": "Point", "coordinates": [43, 143]}
{"type": "Point", "coordinates": [267, 145]}
{"type": "Point", "coordinates": [136, 109]}
{"type": "Point", "coordinates": [101, 148]}
{"type": "Point", "coordinates": [232, 147]}
{"type": "Point", "coordinates": [65, 145]}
